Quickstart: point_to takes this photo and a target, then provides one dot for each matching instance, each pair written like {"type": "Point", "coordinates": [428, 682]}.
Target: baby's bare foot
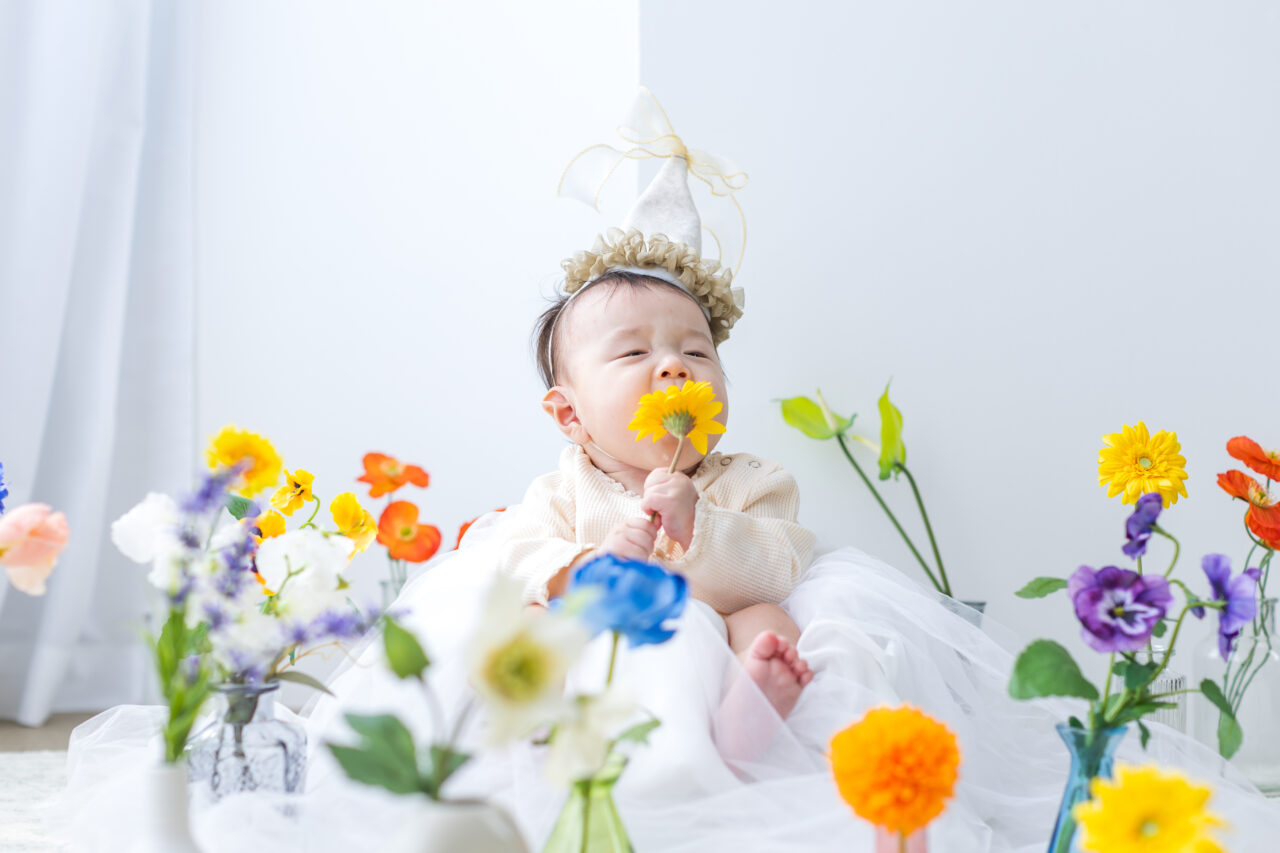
{"type": "Point", "coordinates": [777, 669]}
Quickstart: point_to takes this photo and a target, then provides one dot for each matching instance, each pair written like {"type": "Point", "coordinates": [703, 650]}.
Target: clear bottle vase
{"type": "Point", "coordinates": [1092, 755]}
{"type": "Point", "coordinates": [1252, 685]}
{"type": "Point", "coordinates": [589, 819]}
{"type": "Point", "coordinates": [247, 748]}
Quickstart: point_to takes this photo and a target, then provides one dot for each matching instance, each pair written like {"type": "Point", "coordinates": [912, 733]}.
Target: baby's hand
{"type": "Point", "coordinates": [631, 540]}
{"type": "Point", "coordinates": [672, 497]}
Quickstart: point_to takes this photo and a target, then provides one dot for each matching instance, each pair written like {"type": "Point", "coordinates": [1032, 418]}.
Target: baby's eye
{"type": "Point", "coordinates": [697, 354]}
{"type": "Point", "coordinates": [633, 352]}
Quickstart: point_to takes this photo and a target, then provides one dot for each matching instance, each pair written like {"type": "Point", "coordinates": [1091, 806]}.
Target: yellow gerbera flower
{"type": "Point", "coordinates": [354, 521]}
{"type": "Point", "coordinates": [1136, 463]}
{"type": "Point", "coordinates": [268, 525]}
{"type": "Point", "coordinates": [234, 446]}
{"type": "Point", "coordinates": [896, 767]}
{"type": "Point", "coordinates": [689, 411]}
{"type": "Point", "coordinates": [295, 492]}
{"type": "Point", "coordinates": [1147, 810]}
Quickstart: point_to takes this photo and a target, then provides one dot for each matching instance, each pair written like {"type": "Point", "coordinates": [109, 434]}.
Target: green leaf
{"type": "Point", "coordinates": [301, 678]}
{"type": "Point", "coordinates": [444, 763]}
{"type": "Point", "coordinates": [1047, 669]}
{"type": "Point", "coordinates": [1144, 732]}
{"type": "Point", "coordinates": [1160, 629]}
{"type": "Point", "coordinates": [1138, 674]}
{"type": "Point", "coordinates": [404, 653]}
{"type": "Point", "coordinates": [1074, 722]}
{"type": "Point", "coordinates": [639, 733]}
{"type": "Point", "coordinates": [807, 416]}
{"type": "Point", "coordinates": [1040, 587]}
{"type": "Point", "coordinates": [1230, 735]}
{"type": "Point", "coordinates": [371, 768]}
{"type": "Point", "coordinates": [238, 507]}
{"type": "Point", "coordinates": [892, 451]}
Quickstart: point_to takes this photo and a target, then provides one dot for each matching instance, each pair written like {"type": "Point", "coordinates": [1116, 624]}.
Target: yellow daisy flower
{"type": "Point", "coordinates": [354, 521]}
{"type": "Point", "coordinates": [1135, 463]}
{"type": "Point", "coordinates": [688, 411]}
{"type": "Point", "coordinates": [1147, 810]}
{"type": "Point", "coordinates": [232, 446]}
{"type": "Point", "coordinates": [295, 492]}
{"type": "Point", "coordinates": [268, 525]}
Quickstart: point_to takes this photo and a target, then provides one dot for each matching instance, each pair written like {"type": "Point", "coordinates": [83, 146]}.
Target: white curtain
{"type": "Point", "coordinates": [96, 323]}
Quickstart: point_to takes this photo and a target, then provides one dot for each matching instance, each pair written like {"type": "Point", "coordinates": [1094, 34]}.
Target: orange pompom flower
{"type": "Point", "coordinates": [896, 767]}
{"type": "Point", "coordinates": [385, 474]}
{"type": "Point", "coordinates": [1248, 451]}
{"type": "Point", "coordinates": [1263, 515]}
{"type": "Point", "coordinates": [404, 537]}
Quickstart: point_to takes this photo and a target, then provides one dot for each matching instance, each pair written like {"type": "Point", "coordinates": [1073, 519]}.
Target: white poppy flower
{"type": "Point", "coordinates": [303, 568]}
{"type": "Point", "coordinates": [580, 744]}
{"type": "Point", "coordinates": [149, 531]}
{"type": "Point", "coordinates": [518, 661]}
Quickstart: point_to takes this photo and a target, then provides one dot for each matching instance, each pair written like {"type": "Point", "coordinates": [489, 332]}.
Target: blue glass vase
{"type": "Point", "coordinates": [1092, 754]}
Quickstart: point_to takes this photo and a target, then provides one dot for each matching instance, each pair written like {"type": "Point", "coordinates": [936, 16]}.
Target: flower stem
{"type": "Point", "coordinates": [1106, 687]}
{"type": "Point", "coordinates": [889, 512]}
{"type": "Point", "coordinates": [902, 842]}
{"type": "Point", "coordinates": [928, 528]}
{"type": "Point", "coordinates": [1177, 547]}
{"type": "Point", "coordinates": [308, 523]}
{"type": "Point", "coordinates": [675, 457]}
{"type": "Point", "coordinates": [1173, 639]}
{"type": "Point", "coordinates": [613, 657]}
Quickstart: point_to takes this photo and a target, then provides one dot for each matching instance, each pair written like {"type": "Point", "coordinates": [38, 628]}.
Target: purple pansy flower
{"type": "Point", "coordinates": [1239, 593]}
{"type": "Point", "coordinates": [1137, 528]}
{"type": "Point", "coordinates": [1117, 607]}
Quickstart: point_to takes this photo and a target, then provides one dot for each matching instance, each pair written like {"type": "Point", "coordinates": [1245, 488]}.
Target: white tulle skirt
{"type": "Point", "coordinates": [872, 637]}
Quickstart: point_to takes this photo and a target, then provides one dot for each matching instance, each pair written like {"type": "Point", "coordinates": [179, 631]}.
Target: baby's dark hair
{"type": "Point", "coordinates": [545, 351]}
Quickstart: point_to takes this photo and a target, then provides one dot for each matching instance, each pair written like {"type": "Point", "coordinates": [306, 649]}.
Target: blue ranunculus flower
{"type": "Point", "coordinates": [631, 597]}
{"type": "Point", "coordinates": [1137, 527]}
{"type": "Point", "coordinates": [4, 492]}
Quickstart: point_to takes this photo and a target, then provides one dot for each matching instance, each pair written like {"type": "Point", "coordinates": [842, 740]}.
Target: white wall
{"type": "Point", "coordinates": [377, 227]}
{"type": "Point", "coordinates": [1042, 220]}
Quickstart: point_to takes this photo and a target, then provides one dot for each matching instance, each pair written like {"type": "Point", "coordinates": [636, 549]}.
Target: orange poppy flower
{"type": "Point", "coordinates": [1248, 451]}
{"type": "Point", "coordinates": [1263, 517]}
{"type": "Point", "coordinates": [385, 474]}
{"type": "Point", "coordinates": [405, 538]}
{"type": "Point", "coordinates": [462, 531]}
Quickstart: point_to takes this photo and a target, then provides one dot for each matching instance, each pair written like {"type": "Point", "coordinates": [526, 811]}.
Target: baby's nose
{"type": "Point", "coordinates": [673, 369]}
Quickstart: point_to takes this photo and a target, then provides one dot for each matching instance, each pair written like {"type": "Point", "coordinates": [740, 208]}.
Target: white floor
{"type": "Point", "coordinates": [30, 785]}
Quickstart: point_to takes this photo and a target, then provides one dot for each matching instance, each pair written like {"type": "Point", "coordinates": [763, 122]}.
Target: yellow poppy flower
{"type": "Point", "coordinates": [354, 521]}
{"type": "Point", "coordinates": [896, 767]}
{"type": "Point", "coordinates": [1147, 810]}
{"type": "Point", "coordinates": [268, 525]}
{"type": "Point", "coordinates": [295, 492]}
{"type": "Point", "coordinates": [686, 411]}
{"type": "Point", "coordinates": [234, 446]}
{"type": "Point", "coordinates": [1135, 463]}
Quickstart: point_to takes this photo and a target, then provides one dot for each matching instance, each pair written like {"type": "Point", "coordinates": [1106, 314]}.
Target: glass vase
{"type": "Point", "coordinates": [1092, 755]}
{"type": "Point", "coordinates": [247, 748]}
{"type": "Point", "coordinates": [1252, 685]}
{"type": "Point", "coordinates": [589, 819]}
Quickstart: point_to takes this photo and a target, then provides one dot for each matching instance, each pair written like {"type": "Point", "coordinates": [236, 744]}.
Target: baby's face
{"type": "Point", "coordinates": [621, 343]}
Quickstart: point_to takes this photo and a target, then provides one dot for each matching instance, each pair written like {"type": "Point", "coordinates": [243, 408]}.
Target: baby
{"type": "Point", "coordinates": [726, 522]}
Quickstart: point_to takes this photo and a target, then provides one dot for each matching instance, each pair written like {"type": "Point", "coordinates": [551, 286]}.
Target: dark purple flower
{"type": "Point", "coordinates": [1137, 528]}
{"type": "Point", "coordinates": [4, 491]}
{"type": "Point", "coordinates": [1117, 607]}
{"type": "Point", "coordinates": [1240, 594]}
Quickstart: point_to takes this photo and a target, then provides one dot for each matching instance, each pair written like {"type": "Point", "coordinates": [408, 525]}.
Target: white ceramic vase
{"type": "Point", "coordinates": [471, 825]}
{"type": "Point", "coordinates": [165, 825]}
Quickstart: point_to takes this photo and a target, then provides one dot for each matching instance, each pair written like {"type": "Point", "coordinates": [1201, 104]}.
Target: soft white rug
{"type": "Point", "coordinates": [30, 785]}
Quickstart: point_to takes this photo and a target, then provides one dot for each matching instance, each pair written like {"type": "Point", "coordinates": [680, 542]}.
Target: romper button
{"type": "Point", "coordinates": [754, 464]}
{"type": "Point", "coordinates": [724, 461]}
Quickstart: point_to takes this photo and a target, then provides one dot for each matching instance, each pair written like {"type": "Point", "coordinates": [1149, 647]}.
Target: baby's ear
{"type": "Point", "coordinates": [558, 403]}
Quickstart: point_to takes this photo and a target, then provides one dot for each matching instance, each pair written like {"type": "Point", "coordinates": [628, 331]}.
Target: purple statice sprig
{"type": "Point", "coordinates": [4, 487]}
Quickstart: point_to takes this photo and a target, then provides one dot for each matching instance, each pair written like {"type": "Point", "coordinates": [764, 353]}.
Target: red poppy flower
{"type": "Point", "coordinates": [1265, 462]}
{"type": "Point", "coordinates": [385, 474]}
{"type": "Point", "coordinates": [1263, 517]}
{"type": "Point", "coordinates": [405, 538]}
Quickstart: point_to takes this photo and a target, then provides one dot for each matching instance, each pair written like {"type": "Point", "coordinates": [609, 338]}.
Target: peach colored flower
{"type": "Point", "coordinates": [31, 538]}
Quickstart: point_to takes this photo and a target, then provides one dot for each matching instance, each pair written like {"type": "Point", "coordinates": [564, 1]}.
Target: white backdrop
{"type": "Point", "coordinates": [1043, 221]}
